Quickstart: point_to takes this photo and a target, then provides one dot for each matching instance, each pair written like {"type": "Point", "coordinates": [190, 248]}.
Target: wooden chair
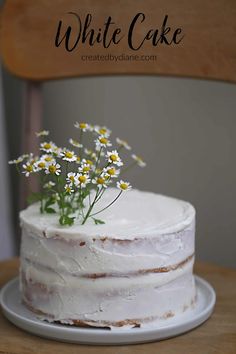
{"type": "Point", "coordinates": [28, 31]}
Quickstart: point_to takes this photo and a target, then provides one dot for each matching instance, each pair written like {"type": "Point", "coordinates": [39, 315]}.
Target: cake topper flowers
{"type": "Point", "coordinates": [74, 179]}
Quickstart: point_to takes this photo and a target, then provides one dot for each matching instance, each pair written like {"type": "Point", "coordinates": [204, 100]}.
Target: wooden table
{"type": "Point", "coordinates": [217, 335]}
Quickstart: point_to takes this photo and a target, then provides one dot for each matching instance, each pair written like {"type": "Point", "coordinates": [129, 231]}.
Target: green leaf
{"type": "Point", "coordinates": [66, 220]}
{"type": "Point", "coordinates": [49, 202]}
{"type": "Point", "coordinates": [98, 221]}
{"type": "Point", "coordinates": [50, 210]}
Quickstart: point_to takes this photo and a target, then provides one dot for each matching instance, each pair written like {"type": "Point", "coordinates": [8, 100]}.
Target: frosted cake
{"type": "Point", "coordinates": [135, 269]}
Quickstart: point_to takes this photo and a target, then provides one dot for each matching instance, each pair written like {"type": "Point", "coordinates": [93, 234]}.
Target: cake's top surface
{"type": "Point", "coordinates": [134, 214]}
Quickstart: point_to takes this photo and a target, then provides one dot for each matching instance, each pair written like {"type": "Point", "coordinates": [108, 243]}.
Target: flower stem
{"type": "Point", "coordinates": [114, 200]}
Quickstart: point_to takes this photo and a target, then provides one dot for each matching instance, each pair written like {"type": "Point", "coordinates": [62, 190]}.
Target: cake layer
{"type": "Point", "coordinates": [108, 301]}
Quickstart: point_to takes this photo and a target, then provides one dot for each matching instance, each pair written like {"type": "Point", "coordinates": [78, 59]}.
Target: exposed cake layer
{"type": "Point", "coordinates": [135, 268]}
{"type": "Point", "coordinates": [108, 301]}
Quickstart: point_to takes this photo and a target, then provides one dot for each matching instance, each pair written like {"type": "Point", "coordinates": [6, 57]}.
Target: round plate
{"type": "Point", "coordinates": [18, 314]}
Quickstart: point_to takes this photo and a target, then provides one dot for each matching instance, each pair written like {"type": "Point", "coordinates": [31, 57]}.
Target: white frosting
{"type": "Point", "coordinates": [135, 214]}
{"type": "Point", "coordinates": [143, 231]}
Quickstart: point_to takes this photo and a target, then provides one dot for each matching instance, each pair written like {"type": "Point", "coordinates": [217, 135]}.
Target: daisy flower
{"type": "Point", "coordinates": [68, 189]}
{"type": "Point", "coordinates": [47, 146]}
{"type": "Point", "coordinates": [102, 141]}
{"type": "Point", "coordinates": [85, 168]}
{"type": "Point", "coordinates": [42, 133]}
{"type": "Point", "coordinates": [83, 126]}
{"type": "Point", "coordinates": [53, 169]}
{"type": "Point", "coordinates": [18, 160]}
{"type": "Point", "coordinates": [123, 186]}
{"type": "Point", "coordinates": [81, 180]}
{"type": "Point", "coordinates": [100, 181]}
{"type": "Point", "coordinates": [111, 172]}
{"type": "Point", "coordinates": [71, 177]}
{"type": "Point", "coordinates": [40, 165]}
{"type": "Point", "coordinates": [28, 168]}
{"type": "Point", "coordinates": [68, 155]}
{"type": "Point", "coordinates": [139, 160]}
{"type": "Point", "coordinates": [102, 131]}
{"type": "Point", "coordinates": [75, 143]}
{"type": "Point", "coordinates": [113, 157]}
{"type": "Point", "coordinates": [123, 143]}
{"type": "Point", "coordinates": [47, 159]}
{"type": "Point", "coordinates": [49, 185]}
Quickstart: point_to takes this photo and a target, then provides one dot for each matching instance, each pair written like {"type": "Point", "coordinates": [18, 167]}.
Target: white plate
{"type": "Point", "coordinates": [18, 314]}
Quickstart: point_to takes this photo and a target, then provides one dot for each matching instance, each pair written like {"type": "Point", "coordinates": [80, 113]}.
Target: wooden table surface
{"type": "Point", "coordinates": [217, 335]}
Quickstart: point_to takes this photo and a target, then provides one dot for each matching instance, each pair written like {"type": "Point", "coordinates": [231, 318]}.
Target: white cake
{"type": "Point", "coordinates": [134, 270]}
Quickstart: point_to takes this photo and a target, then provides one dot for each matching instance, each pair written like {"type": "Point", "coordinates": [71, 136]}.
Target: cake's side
{"type": "Point", "coordinates": [103, 280]}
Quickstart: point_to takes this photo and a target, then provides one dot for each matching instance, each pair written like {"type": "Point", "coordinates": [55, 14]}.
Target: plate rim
{"type": "Point", "coordinates": [109, 337]}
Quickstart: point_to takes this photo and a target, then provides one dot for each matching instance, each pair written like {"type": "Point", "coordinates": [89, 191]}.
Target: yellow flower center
{"type": "Point", "coordinates": [124, 186]}
{"type": "Point", "coordinates": [100, 180]}
{"type": "Point", "coordinates": [89, 162]}
{"type": "Point", "coordinates": [78, 158]}
{"type": "Point", "coordinates": [69, 154]}
{"type": "Point", "coordinates": [86, 169]}
{"type": "Point", "coordinates": [48, 158]}
{"type": "Point", "coordinates": [47, 146]}
{"type": "Point", "coordinates": [41, 165]}
{"type": "Point", "coordinates": [102, 131]}
{"type": "Point", "coordinates": [82, 179]}
{"type": "Point", "coordinates": [72, 178]}
{"type": "Point", "coordinates": [68, 189]}
{"type": "Point", "coordinates": [113, 157]}
{"type": "Point", "coordinates": [83, 125]}
{"type": "Point", "coordinates": [103, 140]}
{"type": "Point", "coordinates": [29, 168]}
{"type": "Point", "coordinates": [111, 171]}
{"type": "Point", "coordinates": [52, 168]}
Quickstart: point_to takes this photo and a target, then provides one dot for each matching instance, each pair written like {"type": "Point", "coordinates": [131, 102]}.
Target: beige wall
{"type": "Point", "coordinates": [185, 129]}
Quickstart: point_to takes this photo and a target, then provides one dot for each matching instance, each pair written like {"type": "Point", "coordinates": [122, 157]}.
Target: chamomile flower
{"type": "Point", "coordinates": [47, 146]}
{"type": "Point", "coordinates": [42, 133]}
{"type": "Point", "coordinates": [75, 143]}
{"type": "Point", "coordinates": [47, 158]}
{"type": "Point", "coordinates": [83, 126]}
{"type": "Point", "coordinates": [49, 185]}
{"type": "Point", "coordinates": [81, 180]}
{"type": "Point", "coordinates": [113, 157]}
{"type": "Point", "coordinates": [71, 177]}
{"type": "Point", "coordinates": [102, 131]}
{"type": "Point", "coordinates": [139, 160]}
{"type": "Point", "coordinates": [68, 156]}
{"type": "Point", "coordinates": [28, 168]}
{"type": "Point", "coordinates": [53, 169]}
{"type": "Point", "coordinates": [68, 188]}
{"type": "Point", "coordinates": [112, 172]}
{"type": "Point", "coordinates": [100, 181]}
{"type": "Point", "coordinates": [123, 186]}
{"type": "Point", "coordinates": [17, 161]}
{"type": "Point", "coordinates": [40, 165]}
{"type": "Point", "coordinates": [123, 143]}
{"type": "Point", "coordinates": [102, 141]}
{"type": "Point", "coordinates": [84, 168]}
